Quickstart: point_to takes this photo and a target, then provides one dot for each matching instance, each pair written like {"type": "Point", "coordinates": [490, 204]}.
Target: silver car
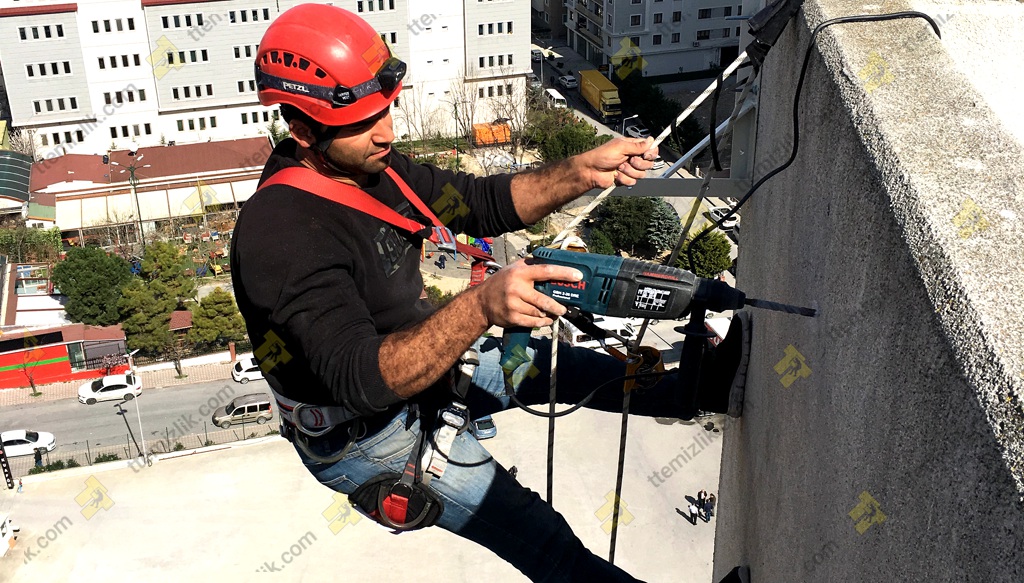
{"type": "Point", "coordinates": [252, 408]}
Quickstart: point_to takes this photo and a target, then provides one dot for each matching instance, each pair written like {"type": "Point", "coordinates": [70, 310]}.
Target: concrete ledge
{"type": "Point", "coordinates": [884, 439]}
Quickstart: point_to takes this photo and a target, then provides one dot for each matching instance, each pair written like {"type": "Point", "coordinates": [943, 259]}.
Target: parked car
{"type": "Point", "coordinates": [536, 55]}
{"type": "Point", "coordinates": [636, 130]}
{"type": "Point", "coordinates": [731, 202]}
{"type": "Point", "coordinates": [110, 388]}
{"type": "Point", "coordinates": [21, 442]}
{"type": "Point", "coordinates": [718, 212]}
{"type": "Point", "coordinates": [658, 163]}
{"type": "Point", "coordinates": [246, 370]}
{"type": "Point", "coordinates": [568, 82]}
{"type": "Point", "coordinates": [483, 428]}
{"type": "Point", "coordinates": [533, 81]}
{"type": "Point", "coordinates": [251, 408]}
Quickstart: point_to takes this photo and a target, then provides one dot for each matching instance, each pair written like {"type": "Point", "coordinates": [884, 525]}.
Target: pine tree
{"type": "Point", "coordinates": [662, 229]}
{"type": "Point", "coordinates": [148, 300]}
{"type": "Point", "coordinates": [710, 254]}
{"type": "Point", "coordinates": [216, 320]}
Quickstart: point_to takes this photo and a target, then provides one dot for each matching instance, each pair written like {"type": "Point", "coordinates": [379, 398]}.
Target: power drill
{"type": "Point", "coordinates": [628, 288]}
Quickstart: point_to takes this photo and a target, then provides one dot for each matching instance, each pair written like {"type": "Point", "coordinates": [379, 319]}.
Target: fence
{"type": "Point", "coordinates": [241, 346]}
{"type": "Point", "coordinates": [87, 453]}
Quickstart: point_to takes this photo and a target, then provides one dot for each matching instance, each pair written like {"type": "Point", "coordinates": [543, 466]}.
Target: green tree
{"type": "Point", "coordinates": [216, 320]}
{"type": "Point", "coordinates": [92, 281]}
{"type": "Point", "coordinates": [662, 229]}
{"type": "Point", "coordinates": [559, 134]}
{"type": "Point", "coordinates": [148, 300]}
{"type": "Point", "coordinates": [278, 131]}
{"type": "Point", "coordinates": [624, 220]}
{"type": "Point", "coordinates": [438, 298]}
{"type": "Point", "coordinates": [599, 243]}
{"type": "Point", "coordinates": [24, 245]}
{"type": "Point", "coordinates": [710, 254]}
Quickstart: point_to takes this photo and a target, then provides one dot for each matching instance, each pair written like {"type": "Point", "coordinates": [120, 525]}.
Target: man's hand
{"type": "Point", "coordinates": [508, 297]}
{"type": "Point", "coordinates": [620, 161]}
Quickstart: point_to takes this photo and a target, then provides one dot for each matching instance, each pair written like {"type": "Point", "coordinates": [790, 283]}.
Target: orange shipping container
{"type": "Point", "coordinates": [491, 134]}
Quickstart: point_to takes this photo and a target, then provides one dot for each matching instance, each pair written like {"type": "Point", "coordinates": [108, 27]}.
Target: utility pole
{"type": "Point", "coordinates": [133, 181]}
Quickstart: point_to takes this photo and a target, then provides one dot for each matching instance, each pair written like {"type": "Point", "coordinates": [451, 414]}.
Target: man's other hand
{"type": "Point", "coordinates": [620, 161]}
{"type": "Point", "coordinates": [508, 297]}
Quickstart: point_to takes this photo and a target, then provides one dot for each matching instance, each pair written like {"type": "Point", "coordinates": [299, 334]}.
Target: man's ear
{"type": "Point", "coordinates": [302, 133]}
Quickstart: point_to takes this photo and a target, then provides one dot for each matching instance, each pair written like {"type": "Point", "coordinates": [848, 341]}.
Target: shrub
{"type": "Point", "coordinates": [106, 457]}
{"type": "Point", "coordinates": [438, 298]}
{"type": "Point", "coordinates": [178, 446]}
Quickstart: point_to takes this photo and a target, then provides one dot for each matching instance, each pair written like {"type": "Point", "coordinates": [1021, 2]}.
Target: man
{"type": "Point", "coordinates": [329, 285]}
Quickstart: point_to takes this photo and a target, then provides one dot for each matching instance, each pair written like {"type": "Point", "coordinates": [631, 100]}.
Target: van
{"type": "Point", "coordinates": [252, 408]}
{"type": "Point", "coordinates": [555, 99]}
{"type": "Point", "coordinates": [620, 326]}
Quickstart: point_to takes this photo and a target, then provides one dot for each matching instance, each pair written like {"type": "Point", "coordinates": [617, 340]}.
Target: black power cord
{"type": "Point", "coordinates": [585, 400]}
{"type": "Point", "coordinates": [796, 109]}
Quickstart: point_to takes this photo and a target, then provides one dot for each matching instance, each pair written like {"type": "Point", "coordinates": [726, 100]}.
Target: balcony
{"type": "Point", "coordinates": [585, 32]}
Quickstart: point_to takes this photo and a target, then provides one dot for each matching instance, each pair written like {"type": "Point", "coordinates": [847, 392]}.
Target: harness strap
{"type": "Point", "coordinates": [313, 182]}
{"type": "Point", "coordinates": [313, 420]}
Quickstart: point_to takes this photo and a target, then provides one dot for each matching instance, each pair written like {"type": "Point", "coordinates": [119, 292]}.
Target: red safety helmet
{"type": "Point", "coordinates": [329, 63]}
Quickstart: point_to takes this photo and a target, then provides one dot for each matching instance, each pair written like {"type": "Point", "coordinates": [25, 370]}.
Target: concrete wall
{"type": "Point", "coordinates": [882, 440]}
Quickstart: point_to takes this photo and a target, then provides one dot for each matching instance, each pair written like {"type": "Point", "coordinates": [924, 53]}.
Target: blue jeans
{"type": "Point", "coordinates": [482, 502]}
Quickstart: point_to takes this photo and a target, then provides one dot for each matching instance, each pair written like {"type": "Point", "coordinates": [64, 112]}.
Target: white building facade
{"type": "Point", "coordinates": [97, 75]}
{"type": "Point", "coordinates": [657, 37]}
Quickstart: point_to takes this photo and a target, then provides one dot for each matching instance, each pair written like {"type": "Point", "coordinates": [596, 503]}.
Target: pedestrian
{"type": "Point", "coordinates": [711, 506]}
{"type": "Point", "coordinates": [693, 513]}
{"type": "Point", "coordinates": [362, 372]}
{"type": "Point", "coordinates": [20, 486]}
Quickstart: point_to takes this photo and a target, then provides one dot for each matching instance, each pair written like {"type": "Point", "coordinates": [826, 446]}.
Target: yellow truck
{"type": "Point", "coordinates": [601, 95]}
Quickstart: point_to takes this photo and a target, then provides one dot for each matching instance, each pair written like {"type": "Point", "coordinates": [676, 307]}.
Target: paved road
{"type": "Point", "coordinates": [180, 411]}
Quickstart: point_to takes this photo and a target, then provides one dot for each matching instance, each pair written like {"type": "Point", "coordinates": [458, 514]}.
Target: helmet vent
{"type": "Point", "coordinates": [288, 59]}
{"type": "Point", "coordinates": [303, 64]}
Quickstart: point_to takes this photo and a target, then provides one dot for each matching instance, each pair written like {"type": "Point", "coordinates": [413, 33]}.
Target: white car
{"type": "Point", "coordinates": [22, 442]}
{"type": "Point", "coordinates": [568, 82]}
{"type": "Point", "coordinates": [533, 81]}
{"type": "Point", "coordinates": [110, 388]}
{"type": "Point", "coordinates": [637, 130]}
{"type": "Point", "coordinates": [246, 370]}
{"type": "Point", "coordinates": [718, 212]}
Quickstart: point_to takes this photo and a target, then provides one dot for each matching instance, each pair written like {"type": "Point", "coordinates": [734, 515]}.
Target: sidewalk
{"type": "Point", "coordinates": [213, 367]}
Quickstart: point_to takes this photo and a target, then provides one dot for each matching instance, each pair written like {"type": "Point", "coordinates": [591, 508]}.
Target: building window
{"type": "Point", "coordinates": [147, 129]}
{"type": "Point", "coordinates": [131, 24]}
{"type": "Point", "coordinates": [103, 64]}
{"type": "Point", "coordinates": [675, 37]}
{"type": "Point", "coordinates": [213, 121]}
{"type": "Point", "coordinates": [202, 123]}
{"type": "Point", "coordinates": [38, 108]}
{"type": "Point", "coordinates": [634, 41]}
{"type": "Point", "coordinates": [136, 60]}
{"type": "Point", "coordinates": [737, 31]}
{"type": "Point", "coordinates": [113, 132]}
{"type": "Point", "coordinates": [181, 126]}
{"type": "Point", "coordinates": [163, 22]}
{"type": "Point", "coordinates": [21, 33]}
{"type": "Point", "coordinates": [46, 141]}
{"type": "Point", "coordinates": [245, 118]}
{"type": "Point", "coordinates": [634, 20]}
{"type": "Point", "coordinates": [727, 11]}
{"type": "Point", "coordinates": [703, 34]}
{"type": "Point", "coordinates": [677, 16]}
{"type": "Point", "coordinates": [106, 26]}
{"type": "Point", "coordinates": [106, 98]}
{"type": "Point", "coordinates": [657, 18]}
{"type": "Point", "coordinates": [192, 122]}
{"type": "Point", "coordinates": [703, 13]}
{"type": "Point", "coordinates": [80, 135]}
{"type": "Point", "coordinates": [135, 129]}
{"type": "Point", "coordinates": [726, 32]}
{"type": "Point", "coordinates": [124, 60]}
{"type": "Point", "coordinates": [49, 105]}
{"type": "Point", "coordinates": [174, 93]}
{"type": "Point", "coordinates": [480, 92]}
{"type": "Point", "coordinates": [657, 40]}
{"type": "Point", "coordinates": [96, 28]}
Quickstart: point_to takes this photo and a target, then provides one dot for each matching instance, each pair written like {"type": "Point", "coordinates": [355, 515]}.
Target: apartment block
{"type": "Point", "coordinates": [655, 37]}
{"type": "Point", "coordinates": [97, 75]}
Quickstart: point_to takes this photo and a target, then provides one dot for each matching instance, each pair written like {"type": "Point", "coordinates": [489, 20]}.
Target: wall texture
{"type": "Point", "coordinates": [884, 439]}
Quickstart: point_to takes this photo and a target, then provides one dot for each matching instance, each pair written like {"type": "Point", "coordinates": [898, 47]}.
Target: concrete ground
{"type": "Point", "coordinates": [230, 513]}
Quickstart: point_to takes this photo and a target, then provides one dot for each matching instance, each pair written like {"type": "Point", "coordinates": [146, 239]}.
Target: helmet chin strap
{"type": "Point", "coordinates": [323, 142]}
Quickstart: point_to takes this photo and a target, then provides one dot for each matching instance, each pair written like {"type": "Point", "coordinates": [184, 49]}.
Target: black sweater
{"type": "Point", "coordinates": [331, 282]}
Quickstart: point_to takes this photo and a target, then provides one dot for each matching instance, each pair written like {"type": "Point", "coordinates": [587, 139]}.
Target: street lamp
{"type": "Point", "coordinates": [133, 180]}
{"type": "Point", "coordinates": [625, 120]}
{"type": "Point", "coordinates": [123, 414]}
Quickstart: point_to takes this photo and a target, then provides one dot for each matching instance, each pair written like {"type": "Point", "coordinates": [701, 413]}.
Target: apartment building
{"type": "Point", "coordinates": [656, 37]}
{"type": "Point", "coordinates": [97, 75]}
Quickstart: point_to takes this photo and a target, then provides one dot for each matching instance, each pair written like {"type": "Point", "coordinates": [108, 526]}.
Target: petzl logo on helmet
{"type": "Point", "coordinates": [293, 87]}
